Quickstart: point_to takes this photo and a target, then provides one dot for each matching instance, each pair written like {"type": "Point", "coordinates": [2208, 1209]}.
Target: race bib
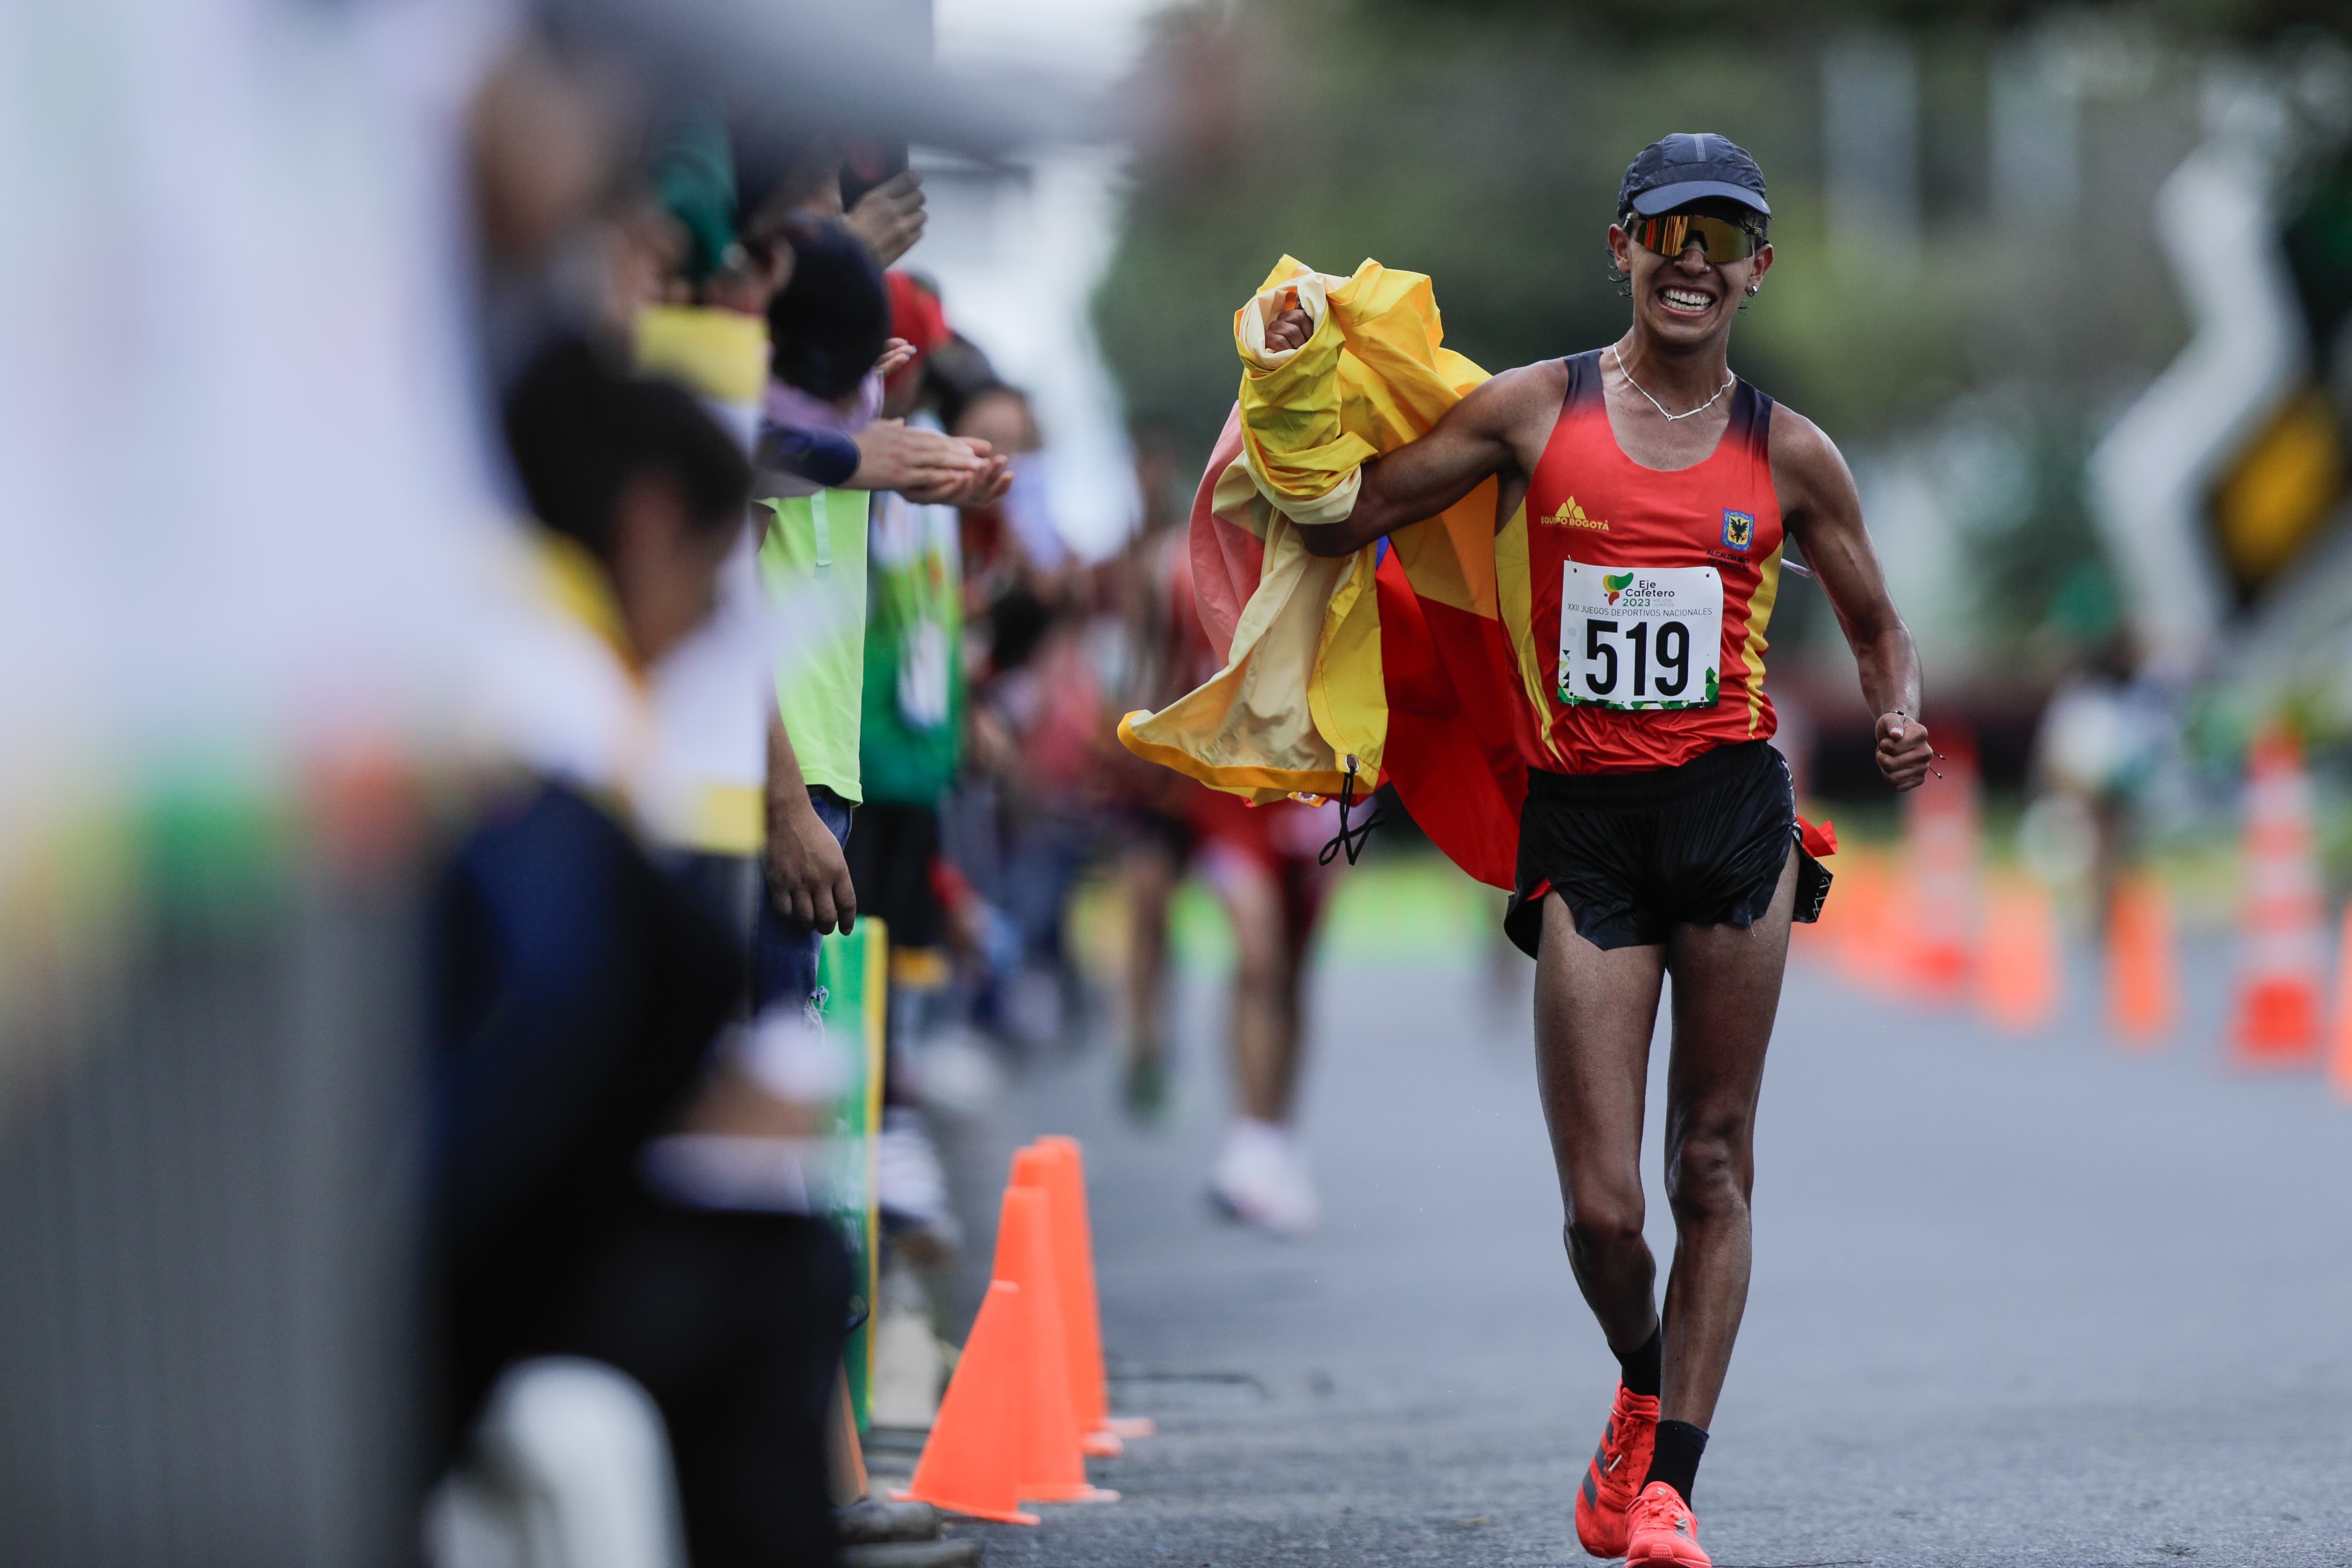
{"type": "Point", "coordinates": [1640, 637]}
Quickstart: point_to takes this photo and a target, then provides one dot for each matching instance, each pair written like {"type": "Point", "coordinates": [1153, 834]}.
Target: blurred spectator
{"type": "Point", "coordinates": [828, 327]}
{"type": "Point", "coordinates": [710, 767]}
{"type": "Point", "coordinates": [2103, 744]}
{"type": "Point", "coordinates": [889, 217]}
{"type": "Point", "coordinates": [578, 993]}
{"type": "Point", "coordinates": [813, 173]}
{"type": "Point", "coordinates": [954, 372]}
{"type": "Point", "coordinates": [919, 321]}
{"type": "Point", "coordinates": [911, 752]}
{"type": "Point", "coordinates": [693, 175]}
{"type": "Point", "coordinates": [1039, 727]}
{"type": "Point", "coordinates": [1014, 542]}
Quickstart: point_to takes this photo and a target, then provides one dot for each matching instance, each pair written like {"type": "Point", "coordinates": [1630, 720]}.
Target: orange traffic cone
{"type": "Point", "coordinates": [1053, 1467]}
{"type": "Point", "coordinates": [2143, 992]}
{"type": "Point", "coordinates": [1865, 954]}
{"type": "Point", "coordinates": [970, 1464]}
{"type": "Point", "coordinates": [1939, 834]}
{"type": "Point", "coordinates": [2018, 970]}
{"type": "Point", "coordinates": [1038, 1167]}
{"type": "Point", "coordinates": [1065, 1180]}
{"type": "Point", "coordinates": [2339, 1055]}
{"type": "Point", "coordinates": [2279, 914]}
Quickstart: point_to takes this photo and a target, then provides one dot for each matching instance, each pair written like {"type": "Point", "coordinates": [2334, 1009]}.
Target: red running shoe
{"type": "Point", "coordinates": [1660, 1531]}
{"type": "Point", "coordinates": [1616, 1472]}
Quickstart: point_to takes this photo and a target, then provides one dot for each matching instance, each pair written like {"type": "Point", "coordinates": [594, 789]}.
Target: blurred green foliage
{"type": "Point", "coordinates": [1468, 151]}
{"type": "Point", "coordinates": [2255, 20]}
{"type": "Point", "coordinates": [2040, 588]}
{"type": "Point", "coordinates": [2318, 241]}
{"type": "Point", "coordinates": [1481, 141]}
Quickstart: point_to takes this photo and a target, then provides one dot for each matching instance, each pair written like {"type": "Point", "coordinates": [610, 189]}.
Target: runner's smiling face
{"type": "Point", "coordinates": [1686, 300]}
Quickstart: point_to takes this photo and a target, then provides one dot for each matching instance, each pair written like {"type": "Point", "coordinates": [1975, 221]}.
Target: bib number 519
{"type": "Point", "coordinates": [1640, 637]}
{"type": "Point", "coordinates": [1657, 658]}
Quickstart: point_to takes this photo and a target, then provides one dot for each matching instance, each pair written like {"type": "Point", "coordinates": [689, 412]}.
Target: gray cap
{"type": "Point", "coordinates": [1675, 171]}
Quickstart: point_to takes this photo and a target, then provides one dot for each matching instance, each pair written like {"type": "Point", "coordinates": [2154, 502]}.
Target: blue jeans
{"type": "Point", "coordinates": [783, 949]}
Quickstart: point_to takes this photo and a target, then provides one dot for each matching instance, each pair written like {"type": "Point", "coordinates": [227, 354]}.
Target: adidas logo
{"type": "Point", "coordinates": [1571, 515]}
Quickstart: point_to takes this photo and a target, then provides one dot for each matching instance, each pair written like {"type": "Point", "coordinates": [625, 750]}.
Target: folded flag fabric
{"type": "Point", "coordinates": [1401, 651]}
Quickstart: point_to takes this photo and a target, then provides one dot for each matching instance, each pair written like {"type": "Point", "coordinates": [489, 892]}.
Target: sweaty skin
{"type": "Point", "coordinates": [1595, 1010]}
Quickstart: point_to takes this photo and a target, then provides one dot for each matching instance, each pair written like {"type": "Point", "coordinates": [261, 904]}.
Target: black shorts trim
{"type": "Point", "coordinates": [1633, 854]}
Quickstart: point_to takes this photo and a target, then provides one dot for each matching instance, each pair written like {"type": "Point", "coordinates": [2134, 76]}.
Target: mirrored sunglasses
{"type": "Point", "coordinates": [1719, 239]}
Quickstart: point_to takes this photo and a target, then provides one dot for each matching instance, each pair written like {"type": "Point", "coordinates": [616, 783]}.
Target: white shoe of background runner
{"type": "Point", "coordinates": [908, 1178]}
{"type": "Point", "coordinates": [1262, 1179]}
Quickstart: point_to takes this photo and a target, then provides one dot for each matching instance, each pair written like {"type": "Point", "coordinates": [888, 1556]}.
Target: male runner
{"type": "Point", "coordinates": [1659, 834]}
{"type": "Point", "coordinates": [1266, 866]}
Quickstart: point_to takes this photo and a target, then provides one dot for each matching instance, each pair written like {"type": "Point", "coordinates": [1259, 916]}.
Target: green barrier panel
{"type": "Point", "coordinates": [854, 971]}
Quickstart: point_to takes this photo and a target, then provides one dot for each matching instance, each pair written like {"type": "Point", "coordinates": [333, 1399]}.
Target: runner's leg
{"type": "Point", "coordinates": [1303, 884]}
{"type": "Point", "coordinates": [1147, 874]}
{"type": "Point", "coordinates": [1727, 991]}
{"type": "Point", "coordinates": [1262, 1176]}
{"type": "Point", "coordinates": [1264, 1011]}
{"type": "Point", "coordinates": [1594, 1013]}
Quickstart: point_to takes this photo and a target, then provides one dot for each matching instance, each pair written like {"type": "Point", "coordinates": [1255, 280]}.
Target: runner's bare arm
{"type": "Point", "coordinates": [1499, 428]}
{"type": "Point", "coordinates": [1821, 510]}
{"type": "Point", "coordinates": [1423, 478]}
{"type": "Point", "coordinates": [1479, 436]}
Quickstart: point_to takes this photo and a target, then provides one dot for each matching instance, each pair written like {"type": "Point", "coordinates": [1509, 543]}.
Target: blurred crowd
{"type": "Point", "coordinates": [809, 722]}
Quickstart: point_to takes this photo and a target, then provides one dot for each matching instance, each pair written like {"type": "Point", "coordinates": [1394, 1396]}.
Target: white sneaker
{"type": "Point", "coordinates": [1261, 1179]}
{"type": "Point", "coordinates": [908, 1180]}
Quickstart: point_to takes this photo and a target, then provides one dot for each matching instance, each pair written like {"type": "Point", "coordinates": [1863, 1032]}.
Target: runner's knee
{"type": "Point", "coordinates": [1603, 1224]}
{"type": "Point", "coordinates": [1253, 907]}
{"type": "Point", "coordinates": [1262, 972]}
{"type": "Point", "coordinates": [1706, 1176]}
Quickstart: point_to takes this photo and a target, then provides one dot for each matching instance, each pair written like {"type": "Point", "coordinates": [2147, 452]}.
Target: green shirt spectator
{"type": "Point", "coordinates": [914, 678]}
{"type": "Point", "coordinates": [813, 562]}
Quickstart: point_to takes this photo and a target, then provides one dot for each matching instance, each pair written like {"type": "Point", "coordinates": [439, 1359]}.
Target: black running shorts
{"type": "Point", "coordinates": [1634, 853]}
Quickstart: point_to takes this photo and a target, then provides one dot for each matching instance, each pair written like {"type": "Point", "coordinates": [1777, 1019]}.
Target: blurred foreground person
{"type": "Point", "coordinates": [829, 330]}
{"type": "Point", "coordinates": [578, 992]}
{"type": "Point", "coordinates": [1659, 834]}
{"type": "Point", "coordinates": [1265, 865]}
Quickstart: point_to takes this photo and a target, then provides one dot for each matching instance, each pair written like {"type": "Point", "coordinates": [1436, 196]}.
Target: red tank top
{"type": "Point", "coordinates": [1614, 549]}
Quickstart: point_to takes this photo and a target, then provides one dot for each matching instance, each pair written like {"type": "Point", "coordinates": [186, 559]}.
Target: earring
{"type": "Point", "coordinates": [1751, 289]}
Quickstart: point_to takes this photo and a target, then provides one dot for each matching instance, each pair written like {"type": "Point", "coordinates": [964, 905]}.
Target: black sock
{"type": "Point", "coordinates": [1676, 1458]}
{"type": "Point", "coordinates": [1642, 1369]}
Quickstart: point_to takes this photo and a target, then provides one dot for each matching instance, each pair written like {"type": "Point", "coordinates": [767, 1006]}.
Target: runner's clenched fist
{"type": "Point", "coordinates": [1904, 752]}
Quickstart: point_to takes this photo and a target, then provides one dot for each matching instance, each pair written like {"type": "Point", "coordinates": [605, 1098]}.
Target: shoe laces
{"type": "Point", "coordinates": [1612, 1450]}
{"type": "Point", "coordinates": [1662, 1506]}
{"type": "Point", "coordinates": [1617, 1438]}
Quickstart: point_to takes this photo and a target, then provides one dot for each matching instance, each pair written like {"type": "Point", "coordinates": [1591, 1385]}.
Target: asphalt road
{"type": "Point", "coordinates": [2016, 1301]}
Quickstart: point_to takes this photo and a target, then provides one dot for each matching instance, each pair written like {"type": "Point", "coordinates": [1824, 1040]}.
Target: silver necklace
{"type": "Point", "coordinates": [1669, 419]}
